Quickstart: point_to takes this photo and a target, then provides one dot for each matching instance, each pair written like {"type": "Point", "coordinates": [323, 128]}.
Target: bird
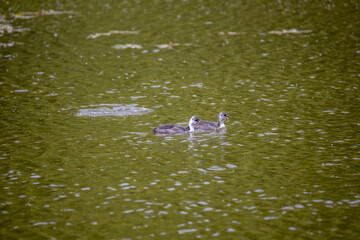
{"type": "Point", "coordinates": [173, 129]}
{"type": "Point", "coordinates": [206, 125]}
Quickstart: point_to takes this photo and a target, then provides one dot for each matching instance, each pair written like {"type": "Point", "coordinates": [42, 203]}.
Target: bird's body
{"type": "Point", "coordinates": [208, 126]}
{"type": "Point", "coordinates": [173, 129]}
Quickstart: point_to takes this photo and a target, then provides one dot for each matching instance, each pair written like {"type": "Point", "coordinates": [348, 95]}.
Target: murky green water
{"type": "Point", "coordinates": [82, 88]}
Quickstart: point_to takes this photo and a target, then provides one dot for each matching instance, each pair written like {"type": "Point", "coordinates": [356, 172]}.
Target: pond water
{"type": "Point", "coordinates": [83, 83]}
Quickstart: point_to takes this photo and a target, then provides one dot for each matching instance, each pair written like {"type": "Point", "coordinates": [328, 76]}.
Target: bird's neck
{"type": "Point", "coordinates": [221, 124]}
{"type": "Point", "coordinates": [191, 126]}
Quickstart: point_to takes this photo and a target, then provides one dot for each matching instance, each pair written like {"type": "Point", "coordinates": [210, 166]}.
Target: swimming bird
{"type": "Point", "coordinates": [206, 125]}
{"type": "Point", "coordinates": [172, 129]}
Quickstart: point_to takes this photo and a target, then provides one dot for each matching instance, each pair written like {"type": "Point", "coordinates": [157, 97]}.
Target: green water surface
{"type": "Point", "coordinates": [287, 166]}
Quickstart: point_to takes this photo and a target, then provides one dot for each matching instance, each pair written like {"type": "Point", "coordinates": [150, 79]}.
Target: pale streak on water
{"type": "Point", "coordinates": [118, 110]}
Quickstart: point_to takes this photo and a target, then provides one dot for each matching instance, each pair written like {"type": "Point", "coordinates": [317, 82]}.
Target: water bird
{"type": "Point", "coordinates": [206, 125]}
{"type": "Point", "coordinates": [172, 129]}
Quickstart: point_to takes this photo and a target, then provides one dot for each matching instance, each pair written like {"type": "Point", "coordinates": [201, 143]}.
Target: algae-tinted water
{"type": "Point", "coordinates": [83, 84]}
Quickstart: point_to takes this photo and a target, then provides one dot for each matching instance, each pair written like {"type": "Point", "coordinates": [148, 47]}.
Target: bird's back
{"type": "Point", "coordinates": [169, 129]}
{"type": "Point", "coordinates": [206, 125]}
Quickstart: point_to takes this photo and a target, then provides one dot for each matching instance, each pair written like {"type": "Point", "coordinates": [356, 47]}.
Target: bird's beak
{"type": "Point", "coordinates": [227, 119]}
